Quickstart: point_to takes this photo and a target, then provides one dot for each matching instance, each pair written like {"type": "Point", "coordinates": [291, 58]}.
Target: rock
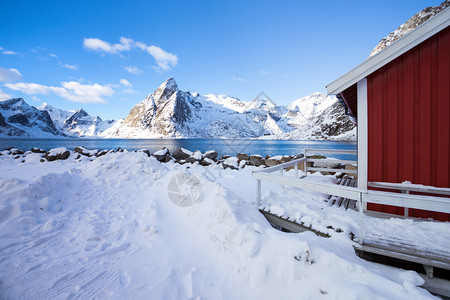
{"type": "Point", "coordinates": [181, 153]}
{"type": "Point", "coordinates": [15, 151]}
{"type": "Point", "coordinates": [42, 160]}
{"type": "Point", "coordinates": [167, 159]}
{"type": "Point", "coordinates": [211, 154]}
{"type": "Point", "coordinates": [57, 153]}
{"type": "Point", "coordinates": [146, 151]}
{"type": "Point", "coordinates": [242, 156]}
{"type": "Point", "coordinates": [83, 151]}
{"type": "Point", "coordinates": [231, 162]}
{"type": "Point", "coordinates": [273, 161]}
{"type": "Point", "coordinates": [38, 150]}
{"type": "Point", "coordinates": [256, 160]}
{"type": "Point", "coordinates": [160, 155]}
{"type": "Point", "coordinates": [225, 157]}
{"type": "Point", "coordinates": [207, 161]}
{"type": "Point", "coordinates": [101, 153]}
{"type": "Point", "coordinates": [243, 163]}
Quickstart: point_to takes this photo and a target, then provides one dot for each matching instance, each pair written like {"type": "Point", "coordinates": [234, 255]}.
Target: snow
{"type": "Point", "coordinates": [161, 152]}
{"type": "Point", "coordinates": [188, 152]}
{"type": "Point", "coordinates": [106, 228]}
{"type": "Point", "coordinates": [231, 161]}
{"type": "Point", "coordinates": [57, 151]}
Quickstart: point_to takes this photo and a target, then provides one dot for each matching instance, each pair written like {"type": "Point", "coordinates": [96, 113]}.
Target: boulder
{"type": "Point", "coordinates": [146, 151]}
{"type": "Point", "coordinates": [273, 161]}
{"type": "Point", "coordinates": [181, 153]}
{"type": "Point", "coordinates": [256, 160]}
{"type": "Point", "coordinates": [243, 163]}
{"type": "Point", "coordinates": [242, 156]}
{"type": "Point", "coordinates": [101, 153]}
{"type": "Point", "coordinates": [83, 151]}
{"type": "Point", "coordinates": [211, 154]}
{"type": "Point", "coordinates": [38, 150]}
{"type": "Point", "coordinates": [195, 157]}
{"type": "Point", "coordinates": [207, 161]}
{"type": "Point", "coordinates": [57, 153]}
{"type": "Point", "coordinates": [231, 162]}
{"type": "Point", "coordinates": [161, 155]}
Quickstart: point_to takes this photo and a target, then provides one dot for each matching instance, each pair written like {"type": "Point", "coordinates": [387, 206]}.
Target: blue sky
{"type": "Point", "coordinates": [106, 56]}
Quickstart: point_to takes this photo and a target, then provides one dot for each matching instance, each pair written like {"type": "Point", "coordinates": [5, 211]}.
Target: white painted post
{"type": "Point", "coordinates": [296, 170]}
{"type": "Point", "coordinates": [304, 163]}
{"type": "Point", "coordinates": [362, 129]}
{"type": "Point", "coordinates": [281, 174]}
{"type": "Point", "coordinates": [406, 209]}
{"type": "Point", "coordinates": [361, 221]}
{"type": "Point", "coordinates": [258, 191]}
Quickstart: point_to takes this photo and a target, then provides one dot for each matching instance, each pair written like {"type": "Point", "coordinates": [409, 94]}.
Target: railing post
{"type": "Point", "coordinates": [304, 163]}
{"type": "Point", "coordinates": [258, 191]}
{"type": "Point", "coordinates": [406, 209]}
{"type": "Point", "coordinates": [296, 170]}
{"type": "Point", "coordinates": [361, 216]}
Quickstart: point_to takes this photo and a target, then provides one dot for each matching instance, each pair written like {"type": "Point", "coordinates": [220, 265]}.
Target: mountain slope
{"type": "Point", "coordinates": [170, 112]}
{"type": "Point", "coordinates": [76, 123]}
{"type": "Point", "coordinates": [415, 21]}
{"type": "Point", "coordinates": [22, 120]}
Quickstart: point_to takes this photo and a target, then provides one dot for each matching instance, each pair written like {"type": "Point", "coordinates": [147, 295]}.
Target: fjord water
{"type": "Point", "coordinates": [222, 146]}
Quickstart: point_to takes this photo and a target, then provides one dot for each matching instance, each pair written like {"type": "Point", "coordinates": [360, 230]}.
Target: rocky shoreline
{"type": "Point", "coordinates": [180, 156]}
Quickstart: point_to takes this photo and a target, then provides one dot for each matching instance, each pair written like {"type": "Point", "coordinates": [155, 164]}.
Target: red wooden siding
{"type": "Point", "coordinates": [408, 120]}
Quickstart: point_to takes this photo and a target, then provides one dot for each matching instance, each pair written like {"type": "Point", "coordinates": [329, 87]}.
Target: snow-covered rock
{"type": "Point", "coordinates": [415, 21]}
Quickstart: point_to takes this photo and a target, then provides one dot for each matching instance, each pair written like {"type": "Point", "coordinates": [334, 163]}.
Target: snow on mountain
{"type": "Point", "coordinates": [76, 123]}
{"type": "Point", "coordinates": [415, 21]}
{"type": "Point", "coordinates": [170, 112]}
{"type": "Point", "coordinates": [330, 124]}
{"type": "Point", "coordinates": [19, 119]}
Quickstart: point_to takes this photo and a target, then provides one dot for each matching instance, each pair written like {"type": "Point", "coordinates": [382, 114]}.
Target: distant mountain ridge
{"type": "Point", "coordinates": [169, 112]}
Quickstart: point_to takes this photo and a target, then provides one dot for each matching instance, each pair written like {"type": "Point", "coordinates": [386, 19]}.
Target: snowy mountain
{"type": "Point", "coordinates": [330, 124]}
{"type": "Point", "coordinates": [415, 21]}
{"type": "Point", "coordinates": [170, 112]}
{"type": "Point", "coordinates": [76, 123]}
{"type": "Point", "coordinates": [19, 119]}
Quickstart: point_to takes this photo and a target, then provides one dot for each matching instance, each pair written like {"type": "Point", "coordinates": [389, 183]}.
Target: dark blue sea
{"type": "Point", "coordinates": [222, 146]}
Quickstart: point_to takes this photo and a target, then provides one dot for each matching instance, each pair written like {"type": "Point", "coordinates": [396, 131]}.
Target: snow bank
{"type": "Point", "coordinates": [104, 227]}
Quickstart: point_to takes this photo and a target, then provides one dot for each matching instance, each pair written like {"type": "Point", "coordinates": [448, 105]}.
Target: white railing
{"type": "Point", "coordinates": [308, 152]}
{"type": "Point", "coordinates": [431, 203]}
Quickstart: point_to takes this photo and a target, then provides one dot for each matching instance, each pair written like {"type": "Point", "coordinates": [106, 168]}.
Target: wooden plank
{"type": "Point", "coordinates": [405, 254]}
{"type": "Point", "coordinates": [317, 169]}
{"type": "Point", "coordinates": [437, 286]}
{"type": "Point", "coordinates": [343, 191]}
{"type": "Point", "coordinates": [443, 109]}
{"type": "Point", "coordinates": [330, 151]}
{"type": "Point", "coordinates": [424, 189]}
{"type": "Point", "coordinates": [407, 155]}
{"type": "Point", "coordinates": [425, 112]}
{"type": "Point", "coordinates": [289, 225]}
{"type": "Point", "coordinates": [439, 204]}
{"type": "Point", "coordinates": [332, 161]}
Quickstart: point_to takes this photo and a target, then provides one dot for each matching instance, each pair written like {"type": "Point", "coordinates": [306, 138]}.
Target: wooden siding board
{"type": "Point", "coordinates": [407, 155]}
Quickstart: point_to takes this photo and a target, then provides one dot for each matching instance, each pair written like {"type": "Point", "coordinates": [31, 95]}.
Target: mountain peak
{"type": "Point", "coordinates": [166, 89]}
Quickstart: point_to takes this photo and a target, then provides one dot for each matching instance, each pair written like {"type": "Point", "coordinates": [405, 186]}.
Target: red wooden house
{"type": "Point", "coordinates": [400, 98]}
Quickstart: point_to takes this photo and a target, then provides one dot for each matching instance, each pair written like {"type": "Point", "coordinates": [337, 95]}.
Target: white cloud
{"type": "Point", "coordinates": [4, 96]}
{"type": "Point", "coordinates": [95, 44]}
{"type": "Point", "coordinates": [71, 90]}
{"type": "Point", "coordinates": [265, 72]}
{"type": "Point", "coordinates": [10, 75]}
{"type": "Point", "coordinates": [165, 60]}
{"type": "Point", "coordinates": [9, 52]}
{"type": "Point", "coordinates": [125, 82]}
{"type": "Point", "coordinates": [133, 70]}
{"type": "Point", "coordinates": [239, 79]}
{"type": "Point", "coordinates": [53, 55]}
{"type": "Point", "coordinates": [70, 67]}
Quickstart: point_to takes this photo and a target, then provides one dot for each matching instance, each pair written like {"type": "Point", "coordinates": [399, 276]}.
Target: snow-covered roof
{"type": "Point", "coordinates": [407, 42]}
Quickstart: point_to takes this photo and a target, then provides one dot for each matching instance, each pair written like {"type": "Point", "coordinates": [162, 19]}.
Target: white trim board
{"type": "Point", "coordinates": [407, 42]}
